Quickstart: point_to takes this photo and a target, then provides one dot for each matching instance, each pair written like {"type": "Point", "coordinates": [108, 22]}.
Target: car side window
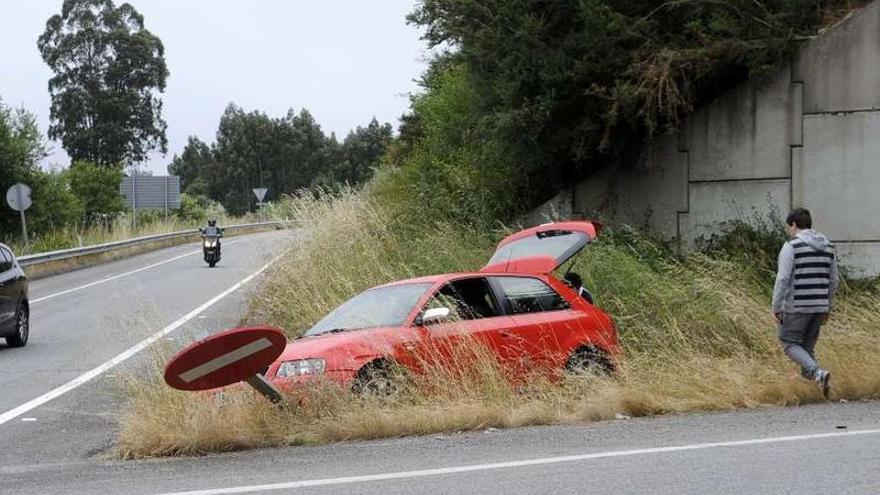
{"type": "Point", "coordinates": [530, 295]}
{"type": "Point", "coordinates": [5, 260]}
{"type": "Point", "coordinates": [467, 299]}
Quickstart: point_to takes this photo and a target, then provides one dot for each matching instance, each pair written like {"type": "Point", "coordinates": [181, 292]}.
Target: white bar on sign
{"type": "Point", "coordinates": [225, 360]}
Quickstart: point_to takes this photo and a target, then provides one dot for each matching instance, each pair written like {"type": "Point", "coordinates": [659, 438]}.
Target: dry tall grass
{"type": "Point", "coordinates": [108, 231]}
{"type": "Point", "coordinates": [696, 333]}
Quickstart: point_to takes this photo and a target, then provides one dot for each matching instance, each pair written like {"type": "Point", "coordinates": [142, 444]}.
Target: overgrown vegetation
{"type": "Point", "coordinates": [572, 86]}
{"type": "Point", "coordinates": [696, 334]}
{"type": "Point", "coordinates": [531, 94]}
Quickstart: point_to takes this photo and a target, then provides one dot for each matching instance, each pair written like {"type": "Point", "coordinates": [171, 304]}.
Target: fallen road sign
{"type": "Point", "coordinates": [231, 356]}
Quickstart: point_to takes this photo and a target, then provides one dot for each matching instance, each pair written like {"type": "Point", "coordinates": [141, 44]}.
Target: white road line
{"type": "Point", "coordinates": [517, 464]}
{"type": "Point", "coordinates": [131, 351]}
{"type": "Point", "coordinates": [115, 277]}
{"type": "Point", "coordinates": [225, 360]}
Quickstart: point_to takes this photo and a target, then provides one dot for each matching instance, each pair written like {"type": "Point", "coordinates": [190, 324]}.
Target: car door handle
{"type": "Point", "coordinates": [506, 333]}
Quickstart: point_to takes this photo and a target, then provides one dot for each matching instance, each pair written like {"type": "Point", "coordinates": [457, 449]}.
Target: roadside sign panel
{"type": "Point", "coordinates": [19, 197]}
{"type": "Point", "coordinates": [225, 358]}
{"type": "Point", "coordinates": [260, 193]}
{"type": "Point", "coordinates": [149, 191]}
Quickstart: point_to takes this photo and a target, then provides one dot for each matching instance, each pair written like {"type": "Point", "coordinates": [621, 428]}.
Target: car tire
{"type": "Point", "coordinates": [379, 379]}
{"type": "Point", "coordinates": [22, 327]}
{"type": "Point", "coordinates": [590, 360]}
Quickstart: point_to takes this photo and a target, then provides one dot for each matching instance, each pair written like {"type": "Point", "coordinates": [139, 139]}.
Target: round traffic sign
{"type": "Point", "coordinates": [19, 197]}
{"type": "Point", "coordinates": [225, 358]}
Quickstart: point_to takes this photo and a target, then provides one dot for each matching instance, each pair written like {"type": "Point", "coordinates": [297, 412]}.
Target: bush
{"type": "Point", "coordinates": [97, 188]}
{"type": "Point", "coordinates": [454, 171]}
{"type": "Point", "coordinates": [199, 208]}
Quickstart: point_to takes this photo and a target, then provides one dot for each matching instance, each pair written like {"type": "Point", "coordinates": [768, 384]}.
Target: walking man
{"type": "Point", "coordinates": [803, 294]}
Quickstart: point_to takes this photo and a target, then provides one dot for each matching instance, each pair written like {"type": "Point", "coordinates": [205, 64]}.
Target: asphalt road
{"type": "Point", "coordinates": [62, 446]}
{"type": "Point", "coordinates": [82, 320]}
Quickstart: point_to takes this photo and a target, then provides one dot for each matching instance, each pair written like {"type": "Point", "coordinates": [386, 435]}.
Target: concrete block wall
{"type": "Point", "coordinates": [810, 136]}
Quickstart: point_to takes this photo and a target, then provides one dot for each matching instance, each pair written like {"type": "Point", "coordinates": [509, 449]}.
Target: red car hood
{"type": "Point", "coordinates": [346, 350]}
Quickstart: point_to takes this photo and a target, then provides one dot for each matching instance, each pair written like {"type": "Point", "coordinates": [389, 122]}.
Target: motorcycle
{"type": "Point", "coordinates": [210, 248]}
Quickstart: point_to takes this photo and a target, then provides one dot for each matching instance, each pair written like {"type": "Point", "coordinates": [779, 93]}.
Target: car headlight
{"type": "Point", "coordinates": [300, 367]}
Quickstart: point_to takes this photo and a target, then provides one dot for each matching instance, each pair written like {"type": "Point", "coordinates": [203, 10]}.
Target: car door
{"type": "Point", "coordinates": [475, 318]}
{"type": "Point", "coordinates": [543, 321]}
{"type": "Point", "coordinates": [7, 291]}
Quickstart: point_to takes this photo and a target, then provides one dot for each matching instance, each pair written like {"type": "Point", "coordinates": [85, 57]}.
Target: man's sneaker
{"type": "Point", "coordinates": [823, 378]}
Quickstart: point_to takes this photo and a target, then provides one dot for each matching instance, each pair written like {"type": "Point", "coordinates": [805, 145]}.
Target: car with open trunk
{"type": "Point", "coordinates": [515, 308]}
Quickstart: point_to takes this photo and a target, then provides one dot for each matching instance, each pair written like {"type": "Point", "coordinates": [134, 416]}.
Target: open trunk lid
{"type": "Point", "coordinates": [542, 249]}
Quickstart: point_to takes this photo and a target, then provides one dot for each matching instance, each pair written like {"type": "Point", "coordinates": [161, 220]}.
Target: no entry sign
{"type": "Point", "coordinates": [225, 358]}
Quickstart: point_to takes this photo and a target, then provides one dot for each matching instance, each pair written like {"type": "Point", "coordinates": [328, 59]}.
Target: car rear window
{"type": "Point", "coordinates": [559, 245]}
{"type": "Point", "coordinates": [530, 295]}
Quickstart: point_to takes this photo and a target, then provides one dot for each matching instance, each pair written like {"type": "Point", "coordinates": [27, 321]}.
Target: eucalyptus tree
{"type": "Point", "coordinates": [109, 72]}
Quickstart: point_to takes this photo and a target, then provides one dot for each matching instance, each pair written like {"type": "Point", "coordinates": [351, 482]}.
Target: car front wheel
{"type": "Point", "coordinates": [590, 361]}
{"type": "Point", "coordinates": [379, 379]}
{"type": "Point", "coordinates": [22, 327]}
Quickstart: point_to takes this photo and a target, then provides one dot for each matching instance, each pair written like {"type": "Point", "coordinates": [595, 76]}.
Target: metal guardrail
{"type": "Point", "coordinates": [36, 259]}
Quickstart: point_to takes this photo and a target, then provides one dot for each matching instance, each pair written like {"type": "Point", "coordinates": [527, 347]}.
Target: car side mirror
{"type": "Point", "coordinates": [433, 315]}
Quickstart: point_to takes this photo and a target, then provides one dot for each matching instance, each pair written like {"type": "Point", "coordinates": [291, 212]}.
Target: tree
{"type": "Point", "coordinates": [193, 164]}
{"type": "Point", "coordinates": [283, 154]}
{"type": "Point", "coordinates": [574, 85]}
{"type": "Point", "coordinates": [361, 151]}
{"type": "Point", "coordinates": [21, 148]}
{"type": "Point", "coordinates": [97, 188]}
{"type": "Point", "coordinates": [108, 69]}
{"type": "Point", "coordinates": [55, 205]}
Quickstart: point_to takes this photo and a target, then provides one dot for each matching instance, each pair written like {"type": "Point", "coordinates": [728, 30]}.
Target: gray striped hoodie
{"type": "Point", "coordinates": [807, 278]}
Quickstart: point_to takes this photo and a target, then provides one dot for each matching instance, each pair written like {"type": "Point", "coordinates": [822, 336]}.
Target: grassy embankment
{"type": "Point", "coordinates": [696, 332]}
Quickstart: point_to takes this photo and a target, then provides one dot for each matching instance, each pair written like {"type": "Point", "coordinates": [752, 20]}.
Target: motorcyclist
{"type": "Point", "coordinates": [212, 230]}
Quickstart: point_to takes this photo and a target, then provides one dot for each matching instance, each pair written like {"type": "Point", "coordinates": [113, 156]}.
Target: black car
{"type": "Point", "coordinates": [14, 311]}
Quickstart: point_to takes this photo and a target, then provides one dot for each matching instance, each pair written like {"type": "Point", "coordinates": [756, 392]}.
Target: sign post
{"type": "Point", "coordinates": [19, 198]}
{"type": "Point", "coordinates": [260, 193]}
{"type": "Point", "coordinates": [228, 357]}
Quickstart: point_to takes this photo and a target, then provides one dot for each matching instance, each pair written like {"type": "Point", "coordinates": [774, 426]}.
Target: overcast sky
{"type": "Point", "coordinates": [344, 60]}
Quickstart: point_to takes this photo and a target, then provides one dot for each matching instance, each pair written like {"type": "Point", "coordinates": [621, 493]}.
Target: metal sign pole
{"type": "Point", "coordinates": [166, 197]}
{"type": "Point", "coordinates": [134, 199]}
{"type": "Point", "coordinates": [23, 221]}
{"type": "Point", "coordinates": [264, 387]}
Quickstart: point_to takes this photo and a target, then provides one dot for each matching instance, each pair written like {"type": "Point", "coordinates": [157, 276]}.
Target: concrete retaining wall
{"type": "Point", "coordinates": [810, 136]}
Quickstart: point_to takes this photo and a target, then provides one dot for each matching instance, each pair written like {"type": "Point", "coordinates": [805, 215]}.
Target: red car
{"type": "Point", "coordinates": [514, 305]}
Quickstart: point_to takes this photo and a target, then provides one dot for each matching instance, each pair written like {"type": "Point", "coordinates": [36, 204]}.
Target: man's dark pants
{"type": "Point", "coordinates": [798, 333]}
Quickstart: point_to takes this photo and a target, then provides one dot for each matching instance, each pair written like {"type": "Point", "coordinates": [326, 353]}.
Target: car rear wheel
{"type": "Point", "coordinates": [22, 327]}
{"type": "Point", "coordinates": [590, 361]}
{"type": "Point", "coordinates": [379, 379]}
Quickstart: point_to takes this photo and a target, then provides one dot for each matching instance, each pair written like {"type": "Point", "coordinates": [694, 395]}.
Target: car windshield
{"type": "Point", "coordinates": [380, 307]}
{"type": "Point", "coordinates": [559, 245]}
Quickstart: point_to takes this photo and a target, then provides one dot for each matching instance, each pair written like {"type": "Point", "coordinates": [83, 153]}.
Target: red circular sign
{"type": "Point", "coordinates": [225, 358]}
